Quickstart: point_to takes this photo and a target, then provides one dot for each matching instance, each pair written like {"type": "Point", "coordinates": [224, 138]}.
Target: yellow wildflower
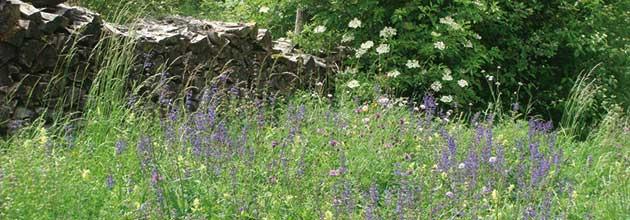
{"type": "Point", "coordinates": [328, 215]}
{"type": "Point", "coordinates": [495, 195]}
{"type": "Point", "coordinates": [85, 174]}
{"type": "Point", "coordinates": [511, 187]}
{"type": "Point", "coordinates": [289, 198]}
{"type": "Point", "coordinates": [412, 166]}
{"type": "Point", "coordinates": [196, 206]}
{"type": "Point", "coordinates": [43, 136]}
{"type": "Point", "coordinates": [444, 175]}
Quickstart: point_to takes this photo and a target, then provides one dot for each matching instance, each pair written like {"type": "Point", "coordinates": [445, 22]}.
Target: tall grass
{"type": "Point", "coordinates": [580, 100]}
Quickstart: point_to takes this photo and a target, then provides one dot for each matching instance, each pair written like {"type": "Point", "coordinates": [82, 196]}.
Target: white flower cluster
{"type": "Point", "coordinates": [367, 45]}
{"type": "Point", "coordinates": [355, 23]}
{"type": "Point", "coordinates": [436, 86]}
{"type": "Point", "coordinates": [412, 64]}
{"type": "Point", "coordinates": [263, 9]}
{"type": "Point", "coordinates": [347, 37]}
{"type": "Point", "coordinates": [359, 53]}
{"type": "Point", "coordinates": [468, 44]}
{"type": "Point", "coordinates": [447, 75]}
{"type": "Point", "coordinates": [388, 32]}
{"type": "Point", "coordinates": [446, 99]}
{"type": "Point", "coordinates": [393, 74]}
{"type": "Point", "coordinates": [448, 20]}
{"type": "Point", "coordinates": [462, 83]}
{"type": "Point", "coordinates": [439, 45]}
{"type": "Point", "coordinates": [320, 29]}
{"type": "Point", "coordinates": [382, 49]}
{"type": "Point", "coordinates": [353, 84]}
{"type": "Point", "coordinates": [364, 48]}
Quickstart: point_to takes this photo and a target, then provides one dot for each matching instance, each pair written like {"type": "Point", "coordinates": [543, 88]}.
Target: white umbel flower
{"type": "Point", "coordinates": [355, 23]}
{"type": "Point", "coordinates": [353, 84]}
{"type": "Point", "coordinates": [436, 86]}
{"type": "Point", "coordinates": [263, 9]}
{"type": "Point", "coordinates": [393, 74]}
{"type": "Point", "coordinates": [446, 20]}
{"type": "Point", "coordinates": [462, 83]}
{"type": "Point", "coordinates": [360, 52]}
{"type": "Point", "coordinates": [439, 45]}
{"type": "Point", "coordinates": [382, 49]}
{"type": "Point", "coordinates": [412, 64]}
{"type": "Point", "coordinates": [347, 37]}
{"type": "Point", "coordinates": [468, 44]}
{"type": "Point", "coordinates": [388, 32]}
{"type": "Point", "coordinates": [320, 29]}
{"type": "Point", "coordinates": [446, 99]}
{"type": "Point", "coordinates": [450, 22]}
{"type": "Point", "coordinates": [367, 45]}
{"type": "Point", "coordinates": [447, 77]}
{"type": "Point", "coordinates": [447, 71]}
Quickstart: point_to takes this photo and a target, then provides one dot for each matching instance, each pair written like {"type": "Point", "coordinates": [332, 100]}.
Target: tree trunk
{"type": "Point", "coordinates": [299, 21]}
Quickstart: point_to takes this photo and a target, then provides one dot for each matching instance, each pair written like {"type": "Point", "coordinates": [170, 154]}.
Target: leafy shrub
{"type": "Point", "coordinates": [531, 51]}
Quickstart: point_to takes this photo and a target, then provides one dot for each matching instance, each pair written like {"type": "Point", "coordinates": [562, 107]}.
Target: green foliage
{"type": "Point", "coordinates": [536, 48]}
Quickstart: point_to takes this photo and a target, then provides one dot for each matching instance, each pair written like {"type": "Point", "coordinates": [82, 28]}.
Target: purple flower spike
{"type": "Point", "coordinates": [333, 143]}
{"type": "Point", "coordinates": [144, 151]}
{"type": "Point", "coordinates": [155, 177]}
{"type": "Point", "coordinates": [110, 182]}
{"type": "Point", "coordinates": [120, 147]}
{"type": "Point", "coordinates": [336, 172]}
{"type": "Point", "coordinates": [374, 194]}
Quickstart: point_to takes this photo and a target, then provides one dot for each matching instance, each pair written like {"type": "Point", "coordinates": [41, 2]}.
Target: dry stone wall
{"type": "Point", "coordinates": [37, 37]}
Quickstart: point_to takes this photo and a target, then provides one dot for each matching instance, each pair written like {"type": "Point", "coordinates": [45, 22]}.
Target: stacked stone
{"type": "Point", "coordinates": [239, 53]}
{"type": "Point", "coordinates": [32, 40]}
{"type": "Point", "coordinates": [35, 37]}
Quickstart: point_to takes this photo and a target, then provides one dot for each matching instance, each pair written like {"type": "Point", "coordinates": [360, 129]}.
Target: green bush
{"type": "Point", "coordinates": [531, 51]}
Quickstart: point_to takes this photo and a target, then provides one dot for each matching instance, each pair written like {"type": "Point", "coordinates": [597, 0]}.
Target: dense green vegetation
{"type": "Point", "coordinates": [538, 48]}
{"type": "Point", "coordinates": [361, 152]}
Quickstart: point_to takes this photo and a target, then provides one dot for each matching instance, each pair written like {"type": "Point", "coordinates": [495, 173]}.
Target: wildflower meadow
{"type": "Point", "coordinates": [435, 110]}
